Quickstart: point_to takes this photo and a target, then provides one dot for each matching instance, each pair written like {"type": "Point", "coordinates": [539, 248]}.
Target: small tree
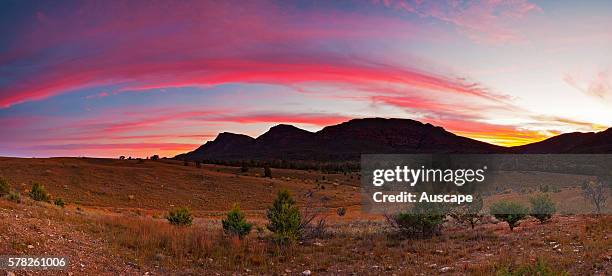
{"type": "Point", "coordinates": [5, 189]}
{"type": "Point", "coordinates": [155, 157]}
{"type": "Point", "coordinates": [510, 212]}
{"type": "Point", "coordinates": [542, 207]}
{"type": "Point", "coordinates": [180, 216]}
{"type": "Point", "coordinates": [121, 157]}
{"type": "Point", "coordinates": [267, 171]}
{"type": "Point", "coordinates": [469, 212]}
{"type": "Point", "coordinates": [39, 193]}
{"type": "Point", "coordinates": [595, 192]}
{"type": "Point", "coordinates": [235, 223]}
{"type": "Point", "coordinates": [284, 218]}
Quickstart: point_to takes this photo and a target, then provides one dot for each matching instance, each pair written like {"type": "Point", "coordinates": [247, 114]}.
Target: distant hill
{"type": "Point", "coordinates": [345, 141]}
{"type": "Point", "coordinates": [576, 142]}
{"type": "Point", "coordinates": [348, 140]}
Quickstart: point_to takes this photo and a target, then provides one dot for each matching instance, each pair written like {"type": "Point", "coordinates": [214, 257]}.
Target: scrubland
{"type": "Point", "coordinates": [113, 223]}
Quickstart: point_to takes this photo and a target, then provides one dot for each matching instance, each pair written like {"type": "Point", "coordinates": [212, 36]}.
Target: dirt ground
{"type": "Point", "coordinates": [113, 224]}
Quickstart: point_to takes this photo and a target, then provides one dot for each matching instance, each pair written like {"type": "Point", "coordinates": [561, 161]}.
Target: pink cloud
{"type": "Point", "coordinates": [132, 146]}
{"type": "Point", "coordinates": [99, 95]}
{"type": "Point", "coordinates": [315, 119]}
{"type": "Point", "coordinates": [482, 20]}
{"type": "Point", "coordinates": [599, 86]}
{"type": "Point", "coordinates": [203, 43]}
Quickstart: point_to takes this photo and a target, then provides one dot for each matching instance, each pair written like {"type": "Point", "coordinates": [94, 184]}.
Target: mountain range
{"type": "Point", "coordinates": [347, 141]}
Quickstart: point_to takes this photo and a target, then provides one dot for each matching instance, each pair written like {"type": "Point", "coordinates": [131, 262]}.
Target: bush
{"type": "Point", "coordinates": [235, 223]}
{"type": "Point", "coordinates": [244, 168]}
{"type": "Point", "coordinates": [155, 157]}
{"type": "Point", "coordinates": [39, 193]}
{"type": "Point", "coordinates": [180, 216]}
{"type": "Point", "coordinates": [423, 221]}
{"type": "Point", "coordinates": [59, 202]}
{"type": "Point", "coordinates": [542, 207]}
{"type": "Point", "coordinates": [284, 218]}
{"type": "Point", "coordinates": [510, 212]}
{"type": "Point", "coordinates": [5, 189]}
{"type": "Point", "coordinates": [267, 171]}
{"type": "Point", "coordinates": [341, 211]}
{"type": "Point", "coordinates": [14, 197]}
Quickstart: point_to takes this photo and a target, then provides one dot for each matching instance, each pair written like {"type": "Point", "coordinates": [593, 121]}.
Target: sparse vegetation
{"type": "Point", "coordinates": [284, 218]}
{"type": "Point", "coordinates": [180, 216]}
{"type": "Point", "coordinates": [470, 212]}
{"type": "Point", "coordinates": [59, 202]}
{"type": "Point", "coordinates": [5, 189]}
{"type": "Point", "coordinates": [341, 211]}
{"type": "Point", "coordinates": [542, 207]}
{"type": "Point", "coordinates": [235, 223]}
{"type": "Point", "coordinates": [353, 244]}
{"type": "Point", "coordinates": [539, 268]}
{"type": "Point", "coordinates": [14, 197]}
{"type": "Point", "coordinates": [594, 191]}
{"type": "Point", "coordinates": [510, 212]}
{"type": "Point", "coordinates": [424, 220]}
{"type": "Point", "coordinates": [38, 193]}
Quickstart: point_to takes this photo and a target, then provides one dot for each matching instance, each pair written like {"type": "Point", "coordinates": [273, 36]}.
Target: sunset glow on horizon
{"type": "Point", "coordinates": [137, 78]}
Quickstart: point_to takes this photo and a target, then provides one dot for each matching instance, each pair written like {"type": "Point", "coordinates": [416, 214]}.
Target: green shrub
{"type": "Point", "coordinates": [284, 218]}
{"type": "Point", "coordinates": [59, 202]}
{"type": "Point", "coordinates": [39, 193]}
{"type": "Point", "coordinates": [180, 216]}
{"type": "Point", "coordinates": [424, 220]}
{"type": "Point", "coordinates": [5, 189]}
{"type": "Point", "coordinates": [235, 223]}
{"type": "Point", "coordinates": [510, 212]}
{"type": "Point", "coordinates": [542, 207]}
{"type": "Point", "coordinates": [14, 197]}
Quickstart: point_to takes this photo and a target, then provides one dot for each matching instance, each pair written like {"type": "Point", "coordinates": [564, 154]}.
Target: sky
{"type": "Point", "coordinates": [137, 78]}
